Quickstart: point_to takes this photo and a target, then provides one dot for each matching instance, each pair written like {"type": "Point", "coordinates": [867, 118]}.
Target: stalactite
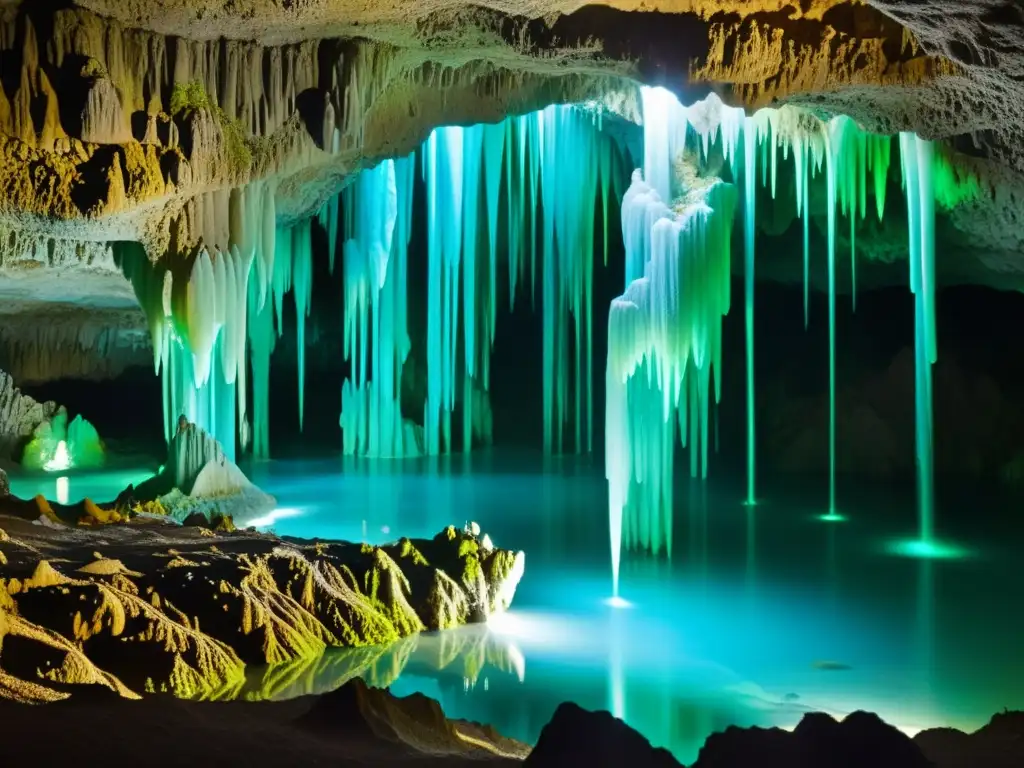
{"type": "Point", "coordinates": [916, 160]}
{"type": "Point", "coordinates": [664, 350]}
{"type": "Point", "coordinates": [645, 382]}
{"type": "Point", "coordinates": [375, 253]}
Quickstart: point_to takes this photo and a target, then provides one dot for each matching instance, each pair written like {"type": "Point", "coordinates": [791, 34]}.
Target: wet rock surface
{"type": "Point", "coordinates": [184, 610]}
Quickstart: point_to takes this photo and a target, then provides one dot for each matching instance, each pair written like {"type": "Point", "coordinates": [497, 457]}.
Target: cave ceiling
{"type": "Point", "coordinates": [91, 153]}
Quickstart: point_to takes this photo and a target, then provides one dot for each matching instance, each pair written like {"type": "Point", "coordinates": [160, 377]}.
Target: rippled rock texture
{"type": "Point", "coordinates": [185, 610]}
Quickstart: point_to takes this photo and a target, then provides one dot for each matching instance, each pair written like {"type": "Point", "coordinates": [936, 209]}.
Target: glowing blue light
{"type": "Point", "coordinates": [617, 602]}
{"type": "Point", "coordinates": [278, 514]}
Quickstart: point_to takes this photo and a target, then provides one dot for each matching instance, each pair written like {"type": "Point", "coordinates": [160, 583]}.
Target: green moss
{"type": "Point", "coordinates": [407, 550]}
{"type": "Point", "coordinates": [468, 547]}
{"type": "Point", "coordinates": [189, 96]}
{"type": "Point", "coordinates": [186, 97]}
{"type": "Point", "coordinates": [471, 569]}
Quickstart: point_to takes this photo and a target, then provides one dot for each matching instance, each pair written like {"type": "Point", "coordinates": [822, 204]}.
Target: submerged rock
{"type": "Point", "coordinates": [185, 610]}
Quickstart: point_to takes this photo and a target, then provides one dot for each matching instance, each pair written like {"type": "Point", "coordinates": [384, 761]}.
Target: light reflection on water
{"type": "Point", "coordinates": [763, 613]}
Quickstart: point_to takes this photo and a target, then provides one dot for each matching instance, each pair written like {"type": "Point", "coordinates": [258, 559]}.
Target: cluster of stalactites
{"type": "Point", "coordinates": [283, 266]}
{"type": "Point", "coordinates": [254, 84]}
{"type": "Point", "coordinates": [664, 354]}
{"type": "Point", "coordinates": [559, 161]}
{"type": "Point", "coordinates": [664, 247]}
{"type": "Point", "coordinates": [642, 387]}
{"type": "Point", "coordinates": [378, 212]}
{"type": "Point", "coordinates": [199, 307]}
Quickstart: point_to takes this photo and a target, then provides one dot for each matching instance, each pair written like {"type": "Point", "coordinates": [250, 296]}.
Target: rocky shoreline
{"type": "Point", "coordinates": [356, 725]}
{"type": "Point", "coordinates": [122, 623]}
{"type": "Point", "coordinates": [152, 607]}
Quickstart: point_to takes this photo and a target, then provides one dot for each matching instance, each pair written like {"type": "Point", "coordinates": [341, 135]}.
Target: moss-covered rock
{"type": "Point", "coordinates": [185, 610]}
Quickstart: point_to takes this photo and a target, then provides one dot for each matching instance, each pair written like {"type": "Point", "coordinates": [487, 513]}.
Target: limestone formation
{"type": "Point", "coordinates": [198, 478]}
{"type": "Point", "coordinates": [135, 121]}
{"type": "Point", "coordinates": [20, 415]}
{"type": "Point", "coordinates": [169, 609]}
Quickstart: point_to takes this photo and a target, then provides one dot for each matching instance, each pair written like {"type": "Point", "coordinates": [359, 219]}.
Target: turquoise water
{"type": "Point", "coordinates": [763, 613]}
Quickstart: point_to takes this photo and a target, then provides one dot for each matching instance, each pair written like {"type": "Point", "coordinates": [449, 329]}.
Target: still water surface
{"type": "Point", "coordinates": [762, 613]}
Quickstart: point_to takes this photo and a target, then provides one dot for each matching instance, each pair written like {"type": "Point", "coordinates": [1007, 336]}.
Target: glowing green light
{"type": "Point", "coordinates": [831, 517]}
{"type": "Point", "coordinates": [749, 230]}
{"type": "Point", "coordinates": [926, 549]}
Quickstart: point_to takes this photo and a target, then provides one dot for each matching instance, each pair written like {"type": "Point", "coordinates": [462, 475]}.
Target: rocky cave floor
{"type": "Point", "coordinates": [125, 623]}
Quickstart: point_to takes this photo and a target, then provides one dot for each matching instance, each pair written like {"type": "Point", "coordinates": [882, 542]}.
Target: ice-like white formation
{"type": "Point", "coordinates": [664, 352]}
{"type": "Point", "coordinates": [916, 162]}
{"type": "Point", "coordinates": [199, 477]}
{"type": "Point", "coordinates": [197, 319]}
{"type": "Point", "coordinates": [647, 377]}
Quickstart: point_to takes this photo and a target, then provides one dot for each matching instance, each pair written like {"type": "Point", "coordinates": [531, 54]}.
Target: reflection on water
{"type": "Point", "coordinates": [465, 658]}
{"type": "Point", "coordinates": [74, 485]}
{"type": "Point", "coordinates": [764, 612]}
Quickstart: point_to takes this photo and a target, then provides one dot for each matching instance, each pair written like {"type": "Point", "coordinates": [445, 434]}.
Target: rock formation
{"type": "Point", "coordinates": [33, 433]}
{"type": "Point", "coordinates": [350, 727]}
{"type": "Point", "coordinates": [186, 610]}
{"type": "Point", "coordinates": [137, 121]}
{"type": "Point", "coordinates": [20, 415]}
{"type": "Point", "coordinates": [198, 478]}
{"type": "Point", "coordinates": [860, 740]}
{"type": "Point", "coordinates": [356, 725]}
{"type": "Point", "coordinates": [978, 424]}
